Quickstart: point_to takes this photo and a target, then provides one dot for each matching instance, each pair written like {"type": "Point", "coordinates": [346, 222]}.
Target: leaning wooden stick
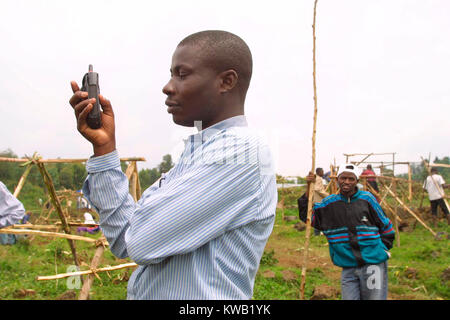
{"type": "Point", "coordinates": [372, 190]}
{"type": "Point", "coordinates": [22, 180]}
{"type": "Point", "coordinates": [396, 218]}
{"type": "Point", "coordinates": [34, 226]}
{"type": "Point", "coordinates": [51, 190]}
{"type": "Point", "coordinates": [3, 159]}
{"type": "Point", "coordinates": [409, 210]}
{"type": "Point", "coordinates": [47, 234]}
{"type": "Point", "coordinates": [311, 186]}
{"type": "Point", "coordinates": [84, 294]}
{"type": "Point", "coordinates": [81, 273]}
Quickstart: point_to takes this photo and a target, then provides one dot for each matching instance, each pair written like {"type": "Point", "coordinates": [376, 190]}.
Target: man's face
{"type": "Point", "coordinates": [347, 183]}
{"type": "Point", "coordinates": [193, 89]}
{"type": "Point", "coordinates": [320, 172]}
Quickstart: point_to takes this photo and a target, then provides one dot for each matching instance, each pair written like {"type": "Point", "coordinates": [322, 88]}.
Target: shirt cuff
{"type": "Point", "coordinates": [102, 163]}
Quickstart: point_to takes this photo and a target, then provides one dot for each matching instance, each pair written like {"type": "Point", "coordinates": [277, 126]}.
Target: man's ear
{"type": "Point", "coordinates": [228, 80]}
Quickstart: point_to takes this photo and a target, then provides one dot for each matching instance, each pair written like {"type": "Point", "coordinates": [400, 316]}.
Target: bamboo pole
{"type": "Point", "coordinates": [33, 226]}
{"type": "Point", "coordinates": [138, 183]}
{"type": "Point", "coordinates": [364, 154]}
{"type": "Point", "coordinates": [22, 180]}
{"type": "Point", "coordinates": [394, 214]}
{"type": "Point", "coordinates": [409, 210]}
{"type": "Point", "coordinates": [79, 224]}
{"type": "Point", "coordinates": [311, 186]}
{"type": "Point", "coordinates": [51, 189]}
{"type": "Point", "coordinates": [383, 202]}
{"type": "Point", "coordinates": [132, 181]}
{"type": "Point", "coordinates": [393, 164]}
{"type": "Point", "coordinates": [379, 162]}
{"type": "Point", "coordinates": [84, 294]}
{"type": "Point", "coordinates": [69, 237]}
{"type": "Point", "coordinates": [357, 164]}
{"type": "Point", "coordinates": [3, 159]}
{"type": "Point", "coordinates": [409, 182]}
{"type": "Point", "coordinates": [442, 165]}
{"type": "Point", "coordinates": [81, 273]}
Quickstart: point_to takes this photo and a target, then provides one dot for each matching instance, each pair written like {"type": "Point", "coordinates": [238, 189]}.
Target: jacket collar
{"type": "Point", "coordinates": [353, 197]}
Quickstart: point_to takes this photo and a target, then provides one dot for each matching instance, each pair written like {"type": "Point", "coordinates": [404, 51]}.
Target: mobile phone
{"type": "Point", "coordinates": [90, 84]}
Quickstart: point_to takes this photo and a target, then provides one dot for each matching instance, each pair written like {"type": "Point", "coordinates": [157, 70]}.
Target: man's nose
{"type": "Point", "coordinates": [168, 89]}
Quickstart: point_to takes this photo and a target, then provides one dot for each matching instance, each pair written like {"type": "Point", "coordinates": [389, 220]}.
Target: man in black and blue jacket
{"type": "Point", "coordinates": [359, 235]}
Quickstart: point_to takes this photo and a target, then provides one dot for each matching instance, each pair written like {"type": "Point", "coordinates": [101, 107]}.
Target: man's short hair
{"type": "Point", "coordinates": [222, 51]}
{"type": "Point", "coordinates": [318, 169]}
{"type": "Point", "coordinates": [434, 169]}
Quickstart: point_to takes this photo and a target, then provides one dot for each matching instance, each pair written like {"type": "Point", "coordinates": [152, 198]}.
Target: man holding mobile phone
{"type": "Point", "coordinates": [201, 232]}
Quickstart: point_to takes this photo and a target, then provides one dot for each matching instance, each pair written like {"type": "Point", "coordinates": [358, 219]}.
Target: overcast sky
{"type": "Point", "coordinates": [383, 75]}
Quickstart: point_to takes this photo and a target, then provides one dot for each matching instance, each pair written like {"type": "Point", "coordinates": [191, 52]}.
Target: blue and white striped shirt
{"type": "Point", "coordinates": [11, 209]}
{"type": "Point", "coordinates": [199, 233]}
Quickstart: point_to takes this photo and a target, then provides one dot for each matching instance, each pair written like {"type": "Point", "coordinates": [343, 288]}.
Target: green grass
{"type": "Point", "coordinates": [21, 263]}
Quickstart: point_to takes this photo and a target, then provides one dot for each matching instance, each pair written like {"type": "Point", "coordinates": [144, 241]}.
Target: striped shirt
{"type": "Point", "coordinates": [200, 232]}
{"type": "Point", "coordinates": [11, 209]}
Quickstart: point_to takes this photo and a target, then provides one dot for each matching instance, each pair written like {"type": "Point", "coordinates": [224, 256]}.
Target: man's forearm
{"type": "Point", "coordinates": [107, 189]}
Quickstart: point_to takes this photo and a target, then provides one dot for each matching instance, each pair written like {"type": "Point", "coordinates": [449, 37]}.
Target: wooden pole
{"type": "Point", "coordinates": [394, 214]}
{"type": "Point", "coordinates": [442, 165]}
{"type": "Point", "coordinates": [409, 210]}
{"type": "Point", "coordinates": [364, 154]}
{"type": "Point", "coordinates": [82, 273]}
{"type": "Point", "coordinates": [84, 294]}
{"type": "Point", "coordinates": [311, 186]}
{"type": "Point", "coordinates": [3, 159]}
{"type": "Point", "coordinates": [22, 180]}
{"type": "Point", "coordinates": [131, 179]}
{"type": "Point", "coordinates": [364, 181]}
{"type": "Point", "coordinates": [69, 237]}
{"type": "Point", "coordinates": [409, 182]}
{"type": "Point", "coordinates": [51, 189]}
{"type": "Point", "coordinates": [34, 226]}
{"type": "Point", "coordinates": [393, 164]}
{"type": "Point", "coordinates": [138, 183]}
{"type": "Point", "coordinates": [364, 159]}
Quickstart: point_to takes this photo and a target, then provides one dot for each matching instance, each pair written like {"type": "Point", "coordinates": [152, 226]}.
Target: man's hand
{"type": "Point", "coordinates": [103, 139]}
{"type": "Point", "coordinates": [311, 177]}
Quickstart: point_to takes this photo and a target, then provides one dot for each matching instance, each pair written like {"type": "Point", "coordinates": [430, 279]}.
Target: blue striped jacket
{"type": "Point", "coordinates": [201, 231]}
{"type": "Point", "coordinates": [357, 230]}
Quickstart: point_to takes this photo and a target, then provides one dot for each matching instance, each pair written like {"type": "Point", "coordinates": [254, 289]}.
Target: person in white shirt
{"type": "Point", "coordinates": [12, 211]}
{"type": "Point", "coordinates": [436, 194]}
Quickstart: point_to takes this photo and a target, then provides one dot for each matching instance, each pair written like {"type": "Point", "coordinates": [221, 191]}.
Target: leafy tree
{"type": "Point", "coordinates": [124, 166]}
{"type": "Point", "coordinates": [66, 177]}
{"type": "Point", "coordinates": [9, 171]}
{"type": "Point", "coordinates": [148, 176]}
{"type": "Point", "coordinates": [166, 164]}
{"type": "Point", "coordinates": [79, 175]}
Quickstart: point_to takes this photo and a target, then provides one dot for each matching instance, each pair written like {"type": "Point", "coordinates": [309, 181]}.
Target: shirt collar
{"type": "Point", "coordinates": [203, 135]}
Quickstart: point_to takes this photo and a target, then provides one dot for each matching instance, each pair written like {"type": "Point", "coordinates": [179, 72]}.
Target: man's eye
{"type": "Point", "coordinates": [182, 76]}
